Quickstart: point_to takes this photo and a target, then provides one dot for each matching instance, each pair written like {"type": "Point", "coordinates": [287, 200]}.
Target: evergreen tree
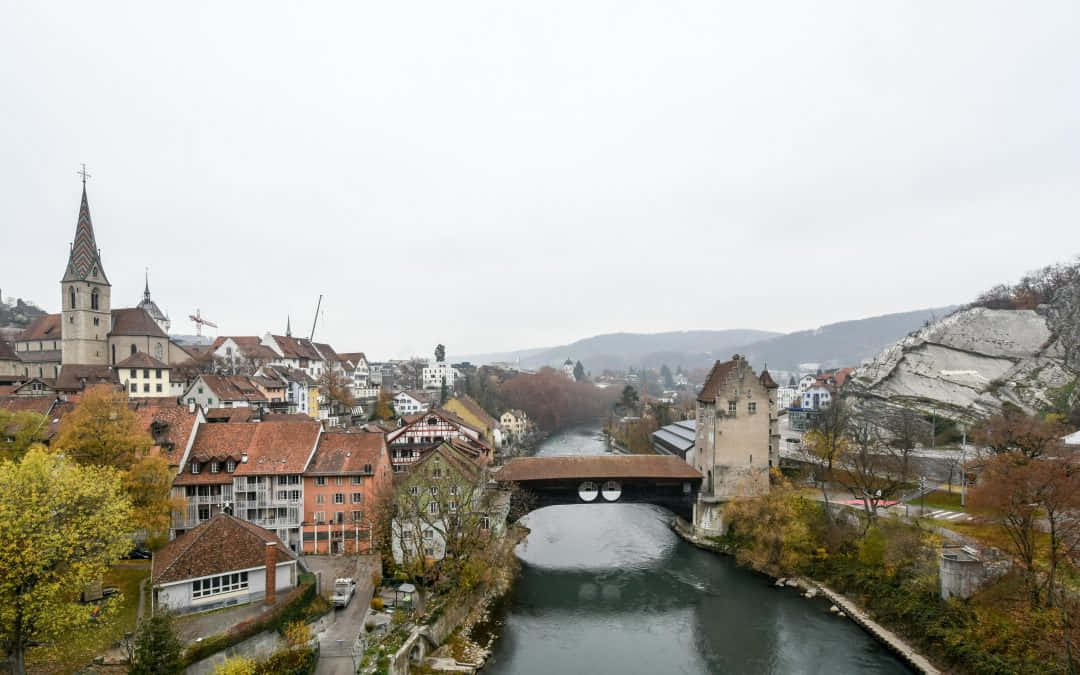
{"type": "Point", "coordinates": [158, 650]}
{"type": "Point", "coordinates": [442, 392]}
{"type": "Point", "coordinates": [440, 353]}
{"type": "Point", "coordinates": [665, 375]}
{"type": "Point", "coordinates": [791, 381]}
{"type": "Point", "coordinates": [579, 371]}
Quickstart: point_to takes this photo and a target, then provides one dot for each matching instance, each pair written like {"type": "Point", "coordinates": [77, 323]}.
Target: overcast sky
{"type": "Point", "coordinates": [500, 175]}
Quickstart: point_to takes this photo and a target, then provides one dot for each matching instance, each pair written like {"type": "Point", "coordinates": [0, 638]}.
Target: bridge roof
{"type": "Point", "coordinates": [596, 467]}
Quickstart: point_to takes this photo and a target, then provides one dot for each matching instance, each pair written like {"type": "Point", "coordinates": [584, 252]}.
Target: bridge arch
{"type": "Point", "coordinates": [663, 480]}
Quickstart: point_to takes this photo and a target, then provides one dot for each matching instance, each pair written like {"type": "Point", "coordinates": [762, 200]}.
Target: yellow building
{"type": "Point", "coordinates": [470, 411]}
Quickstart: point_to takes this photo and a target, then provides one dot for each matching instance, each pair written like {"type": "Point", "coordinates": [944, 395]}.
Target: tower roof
{"type": "Point", "coordinates": [84, 262]}
{"type": "Point", "coordinates": [149, 305]}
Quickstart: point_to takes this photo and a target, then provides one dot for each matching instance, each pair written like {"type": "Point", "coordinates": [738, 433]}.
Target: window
{"type": "Point", "coordinates": [436, 472]}
{"type": "Point", "coordinates": [751, 407]}
{"type": "Point", "coordinates": [134, 373]}
{"type": "Point", "coordinates": [732, 407]}
{"type": "Point", "coordinates": [157, 372]}
{"type": "Point", "coordinates": [339, 480]}
{"type": "Point", "coordinates": [215, 467]}
{"type": "Point", "coordinates": [455, 490]}
{"type": "Point", "coordinates": [357, 516]}
{"type": "Point", "coordinates": [94, 299]}
{"type": "Point", "coordinates": [146, 373]}
{"type": "Point", "coordinates": [434, 490]}
{"type": "Point", "coordinates": [97, 322]}
{"type": "Point", "coordinates": [356, 480]}
{"type": "Point", "coordinates": [230, 466]}
{"type": "Point", "coordinates": [429, 533]}
{"type": "Point", "coordinates": [320, 480]}
{"type": "Point", "coordinates": [209, 400]}
{"type": "Point", "coordinates": [414, 490]}
{"type": "Point", "coordinates": [146, 387]}
{"type": "Point", "coordinates": [226, 583]}
{"type": "Point", "coordinates": [158, 385]}
{"type": "Point", "coordinates": [71, 296]}
{"type": "Point", "coordinates": [485, 523]}
{"type": "Point", "coordinates": [358, 498]}
{"type": "Point", "coordinates": [134, 388]}
{"type": "Point", "coordinates": [451, 506]}
{"type": "Point", "coordinates": [407, 534]}
{"type": "Point", "coordinates": [320, 499]}
{"type": "Point", "coordinates": [339, 498]}
{"type": "Point", "coordinates": [339, 517]}
{"type": "Point", "coordinates": [367, 469]}
{"type": "Point", "coordinates": [433, 508]}
{"type": "Point", "coordinates": [133, 350]}
{"type": "Point", "coordinates": [194, 467]}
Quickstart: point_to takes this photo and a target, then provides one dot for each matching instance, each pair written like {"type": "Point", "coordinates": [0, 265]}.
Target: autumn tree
{"type": "Point", "coordinates": [149, 487]}
{"type": "Point", "coordinates": [552, 400]}
{"type": "Point", "coordinates": [102, 430]}
{"type": "Point", "coordinates": [338, 389]}
{"type": "Point", "coordinates": [236, 665]}
{"type": "Point", "coordinates": [157, 650]}
{"type": "Point", "coordinates": [20, 429]}
{"type": "Point", "coordinates": [61, 527]}
{"type": "Point", "coordinates": [384, 405]}
{"type": "Point", "coordinates": [1014, 431]}
{"type": "Point", "coordinates": [1008, 488]}
{"type": "Point", "coordinates": [771, 532]}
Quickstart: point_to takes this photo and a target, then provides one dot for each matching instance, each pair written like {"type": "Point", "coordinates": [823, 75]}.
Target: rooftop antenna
{"type": "Point", "coordinates": [313, 323]}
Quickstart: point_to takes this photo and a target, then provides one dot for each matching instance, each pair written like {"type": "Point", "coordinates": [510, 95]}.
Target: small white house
{"type": "Point", "coordinates": [816, 398]}
{"type": "Point", "coordinates": [144, 376]}
{"type": "Point", "coordinates": [222, 562]}
{"type": "Point", "coordinates": [410, 403]}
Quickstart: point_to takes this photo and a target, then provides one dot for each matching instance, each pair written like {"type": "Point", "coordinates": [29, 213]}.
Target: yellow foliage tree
{"type": "Point", "coordinates": [102, 430]}
{"type": "Point", "coordinates": [149, 485]}
{"type": "Point", "coordinates": [237, 665]}
{"type": "Point", "coordinates": [61, 527]}
{"type": "Point", "coordinates": [772, 532]}
{"type": "Point", "coordinates": [21, 429]}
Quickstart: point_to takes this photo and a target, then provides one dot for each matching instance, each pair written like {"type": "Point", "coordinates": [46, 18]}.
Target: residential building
{"type": "Point", "coordinates": [241, 354]}
{"type": "Point", "coordinates": [220, 563]}
{"type": "Point", "coordinates": [172, 425]}
{"type": "Point", "coordinates": [408, 403]}
{"type": "Point", "coordinates": [435, 374]}
{"type": "Point", "coordinates": [301, 390]}
{"type": "Point", "coordinates": [735, 435]}
{"type": "Point", "coordinates": [806, 381]}
{"type": "Point", "coordinates": [269, 486]}
{"type": "Point", "coordinates": [515, 422]}
{"type": "Point", "coordinates": [143, 375]}
{"type": "Point", "coordinates": [224, 391]}
{"type": "Point", "coordinates": [359, 372]}
{"type": "Point", "coordinates": [465, 407]}
{"type": "Point", "coordinates": [419, 434]}
{"type": "Point", "coordinates": [347, 476]}
{"type": "Point", "coordinates": [786, 397]}
{"type": "Point", "coordinates": [444, 497]}
{"type": "Point", "coordinates": [816, 398]}
{"type": "Point", "coordinates": [204, 486]}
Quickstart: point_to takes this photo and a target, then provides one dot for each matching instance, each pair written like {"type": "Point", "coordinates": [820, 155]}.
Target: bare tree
{"type": "Point", "coordinates": [870, 469]}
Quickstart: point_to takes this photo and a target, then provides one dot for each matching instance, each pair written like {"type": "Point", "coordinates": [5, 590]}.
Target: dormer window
{"type": "Point", "coordinates": [215, 467]}
{"type": "Point", "coordinates": [194, 467]}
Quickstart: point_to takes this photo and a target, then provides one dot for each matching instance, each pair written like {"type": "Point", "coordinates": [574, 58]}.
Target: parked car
{"type": "Point", "coordinates": [343, 591]}
{"type": "Point", "coordinates": [138, 553]}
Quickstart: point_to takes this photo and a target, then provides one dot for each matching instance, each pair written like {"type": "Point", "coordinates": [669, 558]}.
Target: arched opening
{"type": "Point", "coordinates": [94, 299]}
{"type": "Point", "coordinates": [133, 350]}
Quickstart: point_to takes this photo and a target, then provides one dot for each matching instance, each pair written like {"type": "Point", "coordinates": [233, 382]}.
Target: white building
{"type": "Point", "coordinates": [816, 398]}
{"type": "Point", "coordinates": [410, 402]}
{"type": "Point", "coordinates": [144, 376]}
{"type": "Point", "coordinates": [220, 563]}
{"type": "Point", "coordinates": [807, 381]}
{"type": "Point", "coordinates": [435, 374]}
{"type": "Point", "coordinates": [785, 397]}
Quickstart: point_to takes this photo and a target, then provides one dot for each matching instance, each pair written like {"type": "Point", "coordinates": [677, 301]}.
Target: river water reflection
{"type": "Point", "coordinates": [609, 588]}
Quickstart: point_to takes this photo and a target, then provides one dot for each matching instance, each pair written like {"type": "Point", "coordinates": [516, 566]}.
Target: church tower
{"type": "Point", "coordinates": [85, 298]}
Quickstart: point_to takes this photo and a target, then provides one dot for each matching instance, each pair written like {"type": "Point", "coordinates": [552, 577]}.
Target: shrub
{"type": "Point", "coordinates": [377, 604]}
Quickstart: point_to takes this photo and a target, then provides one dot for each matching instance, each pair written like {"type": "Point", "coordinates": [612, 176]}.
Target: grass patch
{"type": "Point", "coordinates": [81, 650]}
{"type": "Point", "coordinates": [939, 499]}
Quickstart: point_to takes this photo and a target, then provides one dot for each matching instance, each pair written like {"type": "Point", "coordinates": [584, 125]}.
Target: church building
{"type": "Point", "coordinates": [89, 338]}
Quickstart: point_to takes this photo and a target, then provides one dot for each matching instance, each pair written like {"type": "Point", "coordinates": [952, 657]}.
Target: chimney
{"type": "Point", "coordinates": [271, 572]}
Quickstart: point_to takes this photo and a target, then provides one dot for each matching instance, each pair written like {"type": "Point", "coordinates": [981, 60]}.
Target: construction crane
{"type": "Point", "coordinates": [317, 308]}
{"type": "Point", "coordinates": [200, 322]}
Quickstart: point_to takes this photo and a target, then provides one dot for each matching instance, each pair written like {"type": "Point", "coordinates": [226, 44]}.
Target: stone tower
{"type": "Point", "coordinates": [85, 298]}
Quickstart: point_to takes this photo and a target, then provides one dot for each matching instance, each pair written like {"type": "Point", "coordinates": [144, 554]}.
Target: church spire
{"type": "Point", "coordinates": [146, 290]}
{"type": "Point", "coordinates": [84, 259]}
{"type": "Point", "coordinates": [288, 326]}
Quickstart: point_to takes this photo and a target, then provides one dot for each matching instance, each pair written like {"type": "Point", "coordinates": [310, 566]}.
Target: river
{"type": "Point", "coordinates": [609, 588]}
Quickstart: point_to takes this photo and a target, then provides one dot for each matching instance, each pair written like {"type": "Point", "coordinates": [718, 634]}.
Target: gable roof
{"type": "Point", "coordinates": [77, 377]}
{"type": "Point", "coordinates": [473, 407]}
{"type": "Point", "coordinates": [237, 414]}
{"type": "Point", "coordinates": [279, 447]}
{"type": "Point", "coordinates": [719, 373]}
{"type": "Point", "coordinates": [222, 544]}
{"type": "Point", "coordinates": [141, 360]}
{"type": "Point", "coordinates": [355, 357]}
{"type": "Point", "coordinates": [249, 346]}
{"type": "Point", "coordinates": [767, 381]}
{"type": "Point", "coordinates": [342, 453]}
{"type": "Point", "coordinates": [135, 321]}
{"type": "Point", "coordinates": [296, 348]}
{"type": "Point", "coordinates": [45, 327]}
{"type": "Point", "coordinates": [170, 425]}
{"type": "Point", "coordinates": [233, 387]}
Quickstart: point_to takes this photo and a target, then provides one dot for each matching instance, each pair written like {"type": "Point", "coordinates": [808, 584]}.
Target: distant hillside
{"type": "Point", "coordinates": [835, 345]}
{"type": "Point", "coordinates": [18, 313]}
{"type": "Point", "coordinates": [839, 344]}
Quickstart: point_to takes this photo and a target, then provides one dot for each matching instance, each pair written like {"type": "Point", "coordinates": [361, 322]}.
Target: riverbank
{"type": "Point", "coordinates": [845, 606]}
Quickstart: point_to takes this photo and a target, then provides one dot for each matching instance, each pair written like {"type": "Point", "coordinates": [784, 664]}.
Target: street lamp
{"type": "Point", "coordinates": [963, 469]}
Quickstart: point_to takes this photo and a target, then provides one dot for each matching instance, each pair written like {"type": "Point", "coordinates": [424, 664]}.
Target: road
{"type": "Point", "coordinates": [336, 642]}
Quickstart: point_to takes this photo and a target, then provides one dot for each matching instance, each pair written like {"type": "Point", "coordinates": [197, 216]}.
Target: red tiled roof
{"type": "Point", "coordinates": [222, 544]}
{"type": "Point", "coordinates": [233, 388]}
{"type": "Point", "coordinates": [238, 414]}
{"type": "Point", "coordinates": [134, 321]}
{"type": "Point", "coordinates": [296, 348]}
{"type": "Point", "coordinates": [39, 404]}
{"type": "Point", "coordinates": [767, 381]}
{"type": "Point", "coordinates": [342, 453]}
{"type": "Point", "coordinates": [7, 353]}
{"type": "Point", "coordinates": [222, 441]}
{"type": "Point", "coordinates": [45, 327]}
{"type": "Point", "coordinates": [169, 424]}
{"type": "Point", "coordinates": [141, 360]}
{"type": "Point", "coordinates": [719, 372]}
{"type": "Point", "coordinates": [281, 447]}
{"type": "Point", "coordinates": [355, 357]}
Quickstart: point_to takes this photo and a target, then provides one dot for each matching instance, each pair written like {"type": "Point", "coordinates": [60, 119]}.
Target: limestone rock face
{"type": "Point", "coordinates": [967, 365]}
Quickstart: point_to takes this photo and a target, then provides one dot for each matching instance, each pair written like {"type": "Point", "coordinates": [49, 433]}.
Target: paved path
{"type": "Point", "coordinates": [336, 642]}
